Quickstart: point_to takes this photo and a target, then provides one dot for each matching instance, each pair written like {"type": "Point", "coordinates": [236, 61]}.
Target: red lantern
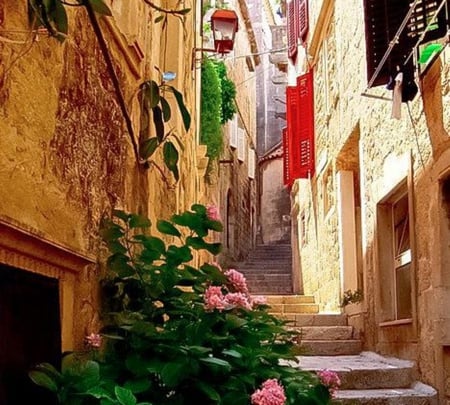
{"type": "Point", "coordinates": [224, 25]}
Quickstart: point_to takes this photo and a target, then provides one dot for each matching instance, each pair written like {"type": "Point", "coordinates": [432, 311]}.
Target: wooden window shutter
{"type": "Point", "coordinates": [382, 20]}
{"type": "Point", "coordinates": [422, 15]}
{"type": "Point", "coordinates": [293, 130]}
{"type": "Point", "coordinates": [305, 135]}
{"type": "Point", "coordinates": [292, 32]}
{"type": "Point", "coordinates": [286, 159]}
{"type": "Point", "coordinates": [302, 17]}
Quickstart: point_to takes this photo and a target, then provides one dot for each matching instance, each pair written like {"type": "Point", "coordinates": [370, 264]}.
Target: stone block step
{"type": "Point", "coordinates": [418, 394]}
{"type": "Point", "coordinates": [329, 347]}
{"type": "Point", "coordinates": [365, 371]}
{"type": "Point", "coordinates": [290, 299]}
{"type": "Point", "coordinates": [283, 310]}
{"type": "Point", "coordinates": [324, 332]}
{"type": "Point", "coordinates": [264, 267]}
{"type": "Point", "coordinates": [321, 320]}
{"type": "Point", "coordinates": [267, 277]}
{"type": "Point", "coordinates": [270, 289]}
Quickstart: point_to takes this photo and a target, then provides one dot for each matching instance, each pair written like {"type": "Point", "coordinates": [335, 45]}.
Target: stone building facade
{"type": "Point", "coordinates": [374, 216]}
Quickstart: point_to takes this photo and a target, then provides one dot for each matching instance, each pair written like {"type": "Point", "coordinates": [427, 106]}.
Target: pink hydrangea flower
{"type": "Point", "coordinates": [258, 300]}
{"type": "Point", "coordinates": [214, 299]}
{"type": "Point", "coordinates": [93, 340]}
{"type": "Point", "coordinates": [271, 393]}
{"type": "Point", "coordinates": [212, 212]}
{"type": "Point", "coordinates": [237, 280]}
{"type": "Point", "coordinates": [330, 379]}
{"type": "Point", "coordinates": [238, 299]}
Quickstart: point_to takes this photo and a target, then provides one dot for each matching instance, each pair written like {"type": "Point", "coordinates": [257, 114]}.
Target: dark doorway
{"type": "Point", "coordinates": [30, 333]}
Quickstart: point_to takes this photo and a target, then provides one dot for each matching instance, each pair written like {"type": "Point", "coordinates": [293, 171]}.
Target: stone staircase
{"type": "Point", "coordinates": [326, 341]}
{"type": "Point", "coordinates": [268, 269]}
{"type": "Point", "coordinates": [368, 378]}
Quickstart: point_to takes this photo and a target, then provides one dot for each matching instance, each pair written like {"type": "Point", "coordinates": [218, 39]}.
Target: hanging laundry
{"type": "Point", "coordinates": [397, 96]}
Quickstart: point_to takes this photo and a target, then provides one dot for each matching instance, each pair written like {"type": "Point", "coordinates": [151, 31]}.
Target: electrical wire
{"type": "Point", "coordinates": [416, 135]}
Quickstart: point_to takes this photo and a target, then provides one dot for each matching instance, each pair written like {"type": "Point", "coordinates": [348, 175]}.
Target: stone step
{"type": "Point", "coordinates": [418, 394]}
{"type": "Point", "coordinates": [266, 266]}
{"type": "Point", "coordinates": [365, 371]}
{"type": "Point", "coordinates": [270, 289]}
{"type": "Point", "coordinates": [329, 347]}
{"type": "Point", "coordinates": [324, 332]}
{"type": "Point", "coordinates": [290, 299]}
{"type": "Point", "coordinates": [283, 310]}
{"type": "Point", "coordinates": [267, 277]}
{"type": "Point", "coordinates": [320, 320]}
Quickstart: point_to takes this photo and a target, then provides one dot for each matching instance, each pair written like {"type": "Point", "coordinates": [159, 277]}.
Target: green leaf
{"type": "Point", "coordinates": [172, 373]}
{"type": "Point", "coordinates": [159, 19]}
{"type": "Point", "coordinates": [217, 362]}
{"type": "Point", "coordinates": [183, 110]}
{"type": "Point", "coordinates": [118, 263]}
{"type": "Point", "coordinates": [99, 392]}
{"type": "Point", "coordinates": [167, 113]}
{"type": "Point", "coordinates": [148, 147]}
{"type": "Point", "coordinates": [170, 154]}
{"type": "Point", "coordinates": [121, 215]}
{"type": "Point", "coordinates": [159, 123]}
{"type": "Point", "coordinates": [184, 11]}
{"type": "Point", "coordinates": [232, 353]}
{"type": "Point", "coordinates": [209, 390]}
{"type": "Point", "coordinates": [138, 386]}
{"type": "Point", "coordinates": [151, 93]}
{"type": "Point", "coordinates": [111, 231]}
{"type": "Point", "coordinates": [43, 380]}
{"type": "Point", "coordinates": [125, 396]}
{"type": "Point", "coordinates": [139, 221]}
{"type": "Point", "coordinates": [167, 228]}
{"type": "Point", "coordinates": [59, 16]}
{"type": "Point", "coordinates": [196, 242]}
{"type": "Point", "coordinates": [234, 321]}
{"type": "Point", "coordinates": [100, 7]}
{"type": "Point", "coordinates": [214, 248]}
{"type": "Point", "coordinates": [154, 243]}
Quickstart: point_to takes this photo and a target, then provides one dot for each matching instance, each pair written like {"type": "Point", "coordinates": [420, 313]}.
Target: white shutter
{"type": "Point", "coordinates": [242, 145]}
{"type": "Point", "coordinates": [251, 163]}
{"type": "Point", "coordinates": [234, 132]}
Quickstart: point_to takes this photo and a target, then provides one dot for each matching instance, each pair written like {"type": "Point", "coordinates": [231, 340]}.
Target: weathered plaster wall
{"type": "Point", "coordinates": [66, 157]}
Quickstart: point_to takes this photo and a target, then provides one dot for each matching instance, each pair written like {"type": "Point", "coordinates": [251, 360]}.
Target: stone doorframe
{"type": "Point", "coordinates": [28, 250]}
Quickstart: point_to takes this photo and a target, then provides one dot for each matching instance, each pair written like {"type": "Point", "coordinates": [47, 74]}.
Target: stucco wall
{"type": "Point", "coordinates": [66, 156]}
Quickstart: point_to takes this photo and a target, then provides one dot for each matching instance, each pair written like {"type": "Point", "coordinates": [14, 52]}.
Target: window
{"type": "Point", "coordinates": [251, 163]}
{"type": "Point", "coordinates": [242, 145]}
{"type": "Point", "coordinates": [395, 257]}
{"type": "Point", "coordinates": [383, 20]}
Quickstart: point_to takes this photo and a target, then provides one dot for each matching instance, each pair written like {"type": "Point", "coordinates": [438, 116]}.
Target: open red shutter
{"type": "Point", "coordinates": [286, 159]}
{"type": "Point", "coordinates": [302, 17]}
{"type": "Point", "coordinates": [292, 32]}
{"type": "Point", "coordinates": [305, 136]}
{"type": "Point", "coordinates": [293, 131]}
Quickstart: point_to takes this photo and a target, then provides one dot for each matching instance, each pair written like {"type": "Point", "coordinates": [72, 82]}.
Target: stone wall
{"type": "Point", "coordinates": [357, 134]}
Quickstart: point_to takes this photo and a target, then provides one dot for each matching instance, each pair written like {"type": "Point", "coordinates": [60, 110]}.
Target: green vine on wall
{"type": "Point", "coordinates": [217, 105]}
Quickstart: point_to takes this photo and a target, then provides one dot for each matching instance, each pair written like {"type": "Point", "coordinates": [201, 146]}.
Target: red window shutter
{"type": "Point", "coordinates": [302, 18]}
{"type": "Point", "coordinates": [292, 33]}
{"type": "Point", "coordinates": [305, 135]}
{"type": "Point", "coordinates": [292, 117]}
{"type": "Point", "coordinates": [286, 159]}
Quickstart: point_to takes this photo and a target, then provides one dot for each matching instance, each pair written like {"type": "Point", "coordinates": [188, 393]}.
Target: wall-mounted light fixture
{"type": "Point", "coordinates": [224, 25]}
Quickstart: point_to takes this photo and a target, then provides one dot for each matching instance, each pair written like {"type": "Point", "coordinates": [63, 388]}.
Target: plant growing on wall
{"type": "Point", "coordinates": [228, 93]}
{"type": "Point", "coordinates": [179, 335]}
{"type": "Point", "coordinates": [211, 110]}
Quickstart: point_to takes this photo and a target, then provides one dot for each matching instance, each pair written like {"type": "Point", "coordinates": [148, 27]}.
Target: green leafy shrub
{"type": "Point", "coordinates": [211, 110]}
{"type": "Point", "coordinates": [228, 93]}
{"type": "Point", "coordinates": [175, 334]}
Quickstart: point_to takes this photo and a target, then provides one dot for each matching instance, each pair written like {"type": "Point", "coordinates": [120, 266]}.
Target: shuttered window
{"type": "Point", "coordinates": [302, 18]}
{"type": "Point", "coordinates": [305, 85]}
{"type": "Point", "coordinates": [383, 18]}
{"type": "Point", "coordinates": [291, 30]}
{"type": "Point", "coordinates": [298, 141]}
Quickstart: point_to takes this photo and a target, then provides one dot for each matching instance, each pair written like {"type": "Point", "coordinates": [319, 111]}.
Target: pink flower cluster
{"type": "Point", "coordinates": [212, 212]}
{"type": "Point", "coordinates": [234, 294]}
{"type": "Point", "coordinates": [237, 280]}
{"type": "Point", "coordinates": [216, 299]}
{"type": "Point", "coordinates": [330, 379]}
{"type": "Point", "coordinates": [271, 393]}
{"type": "Point", "coordinates": [93, 340]}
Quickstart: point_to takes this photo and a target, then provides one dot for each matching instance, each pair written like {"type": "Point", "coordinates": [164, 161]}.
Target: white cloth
{"type": "Point", "coordinates": [397, 97]}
